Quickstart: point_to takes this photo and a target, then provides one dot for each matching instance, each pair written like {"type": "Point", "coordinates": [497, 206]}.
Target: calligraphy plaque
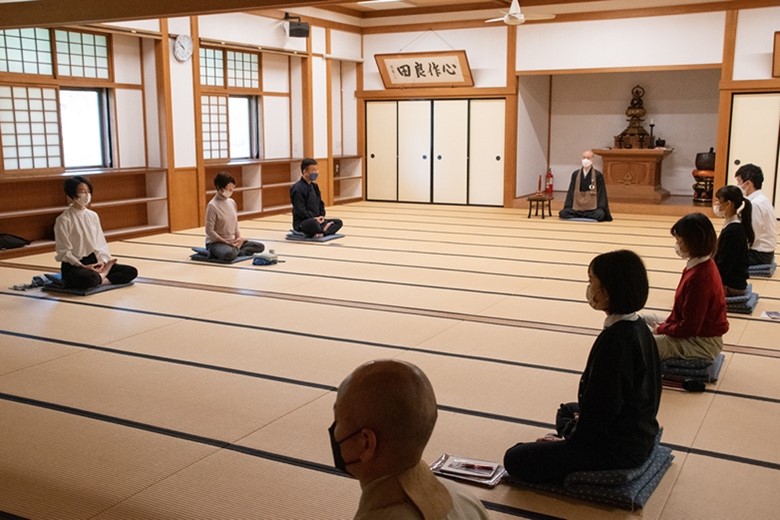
{"type": "Point", "coordinates": [425, 69]}
{"type": "Point", "coordinates": [776, 57]}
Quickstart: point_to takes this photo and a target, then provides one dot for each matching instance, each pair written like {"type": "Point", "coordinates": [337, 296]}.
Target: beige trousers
{"type": "Point", "coordinates": [689, 348]}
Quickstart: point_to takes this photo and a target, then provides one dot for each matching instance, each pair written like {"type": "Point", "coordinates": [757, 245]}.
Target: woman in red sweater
{"type": "Point", "coordinates": [698, 321]}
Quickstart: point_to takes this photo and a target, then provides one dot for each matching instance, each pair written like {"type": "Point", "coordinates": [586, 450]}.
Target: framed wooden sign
{"type": "Point", "coordinates": [776, 57]}
{"type": "Point", "coordinates": [425, 69]}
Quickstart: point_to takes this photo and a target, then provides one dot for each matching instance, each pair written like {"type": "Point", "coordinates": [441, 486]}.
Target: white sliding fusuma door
{"type": "Point", "coordinates": [486, 152]}
{"type": "Point", "coordinates": [414, 151]}
{"type": "Point", "coordinates": [450, 150]}
{"type": "Point", "coordinates": [381, 151]}
{"type": "Point", "coordinates": [755, 129]}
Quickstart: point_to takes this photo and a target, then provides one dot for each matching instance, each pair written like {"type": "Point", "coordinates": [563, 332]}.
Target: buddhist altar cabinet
{"type": "Point", "coordinates": [633, 174]}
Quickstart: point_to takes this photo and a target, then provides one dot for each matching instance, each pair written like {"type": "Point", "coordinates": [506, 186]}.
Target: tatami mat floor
{"type": "Point", "coordinates": [205, 391]}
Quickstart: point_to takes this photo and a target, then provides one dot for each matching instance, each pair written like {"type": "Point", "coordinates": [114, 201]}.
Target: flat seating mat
{"type": "Point", "coordinates": [297, 235]}
{"type": "Point", "coordinates": [581, 219]}
{"type": "Point", "coordinates": [202, 255]}
{"type": "Point", "coordinates": [741, 298]}
{"type": "Point", "coordinates": [625, 488]}
{"type": "Point", "coordinates": [56, 288]}
{"type": "Point", "coordinates": [762, 270]}
{"type": "Point", "coordinates": [743, 307]}
{"type": "Point", "coordinates": [704, 370]}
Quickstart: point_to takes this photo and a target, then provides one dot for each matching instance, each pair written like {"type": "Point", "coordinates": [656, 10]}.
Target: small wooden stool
{"type": "Point", "coordinates": [539, 199]}
{"type": "Point", "coordinates": [702, 190]}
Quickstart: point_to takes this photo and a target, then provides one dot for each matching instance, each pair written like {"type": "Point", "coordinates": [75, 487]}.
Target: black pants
{"type": "Point", "coordinates": [550, 462]}
{"type": "Point", "coordinates": [311, 227]}
{"type": "Point", "coordinates": [77, 277]}
{"type": "Point", "coordinates": [223, 251]}
{"type": "Point", "coordinates": [760, 257]}
{"type": "Point", "coordinates": [596, 214]}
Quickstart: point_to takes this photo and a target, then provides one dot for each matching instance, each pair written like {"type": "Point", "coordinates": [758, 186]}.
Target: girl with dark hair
{"type": "Point", "coordinates": [735, 238]}
{"type": "Point", "coordinates": [695, 328]}
{"type": "Point", "coordinates": [80, 244]}
{"type": "Point", "coordinates": [613, 423]}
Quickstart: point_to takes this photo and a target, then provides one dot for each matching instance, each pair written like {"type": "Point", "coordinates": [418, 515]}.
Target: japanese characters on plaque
{"type": "Point", "coordinates": [429, 69]}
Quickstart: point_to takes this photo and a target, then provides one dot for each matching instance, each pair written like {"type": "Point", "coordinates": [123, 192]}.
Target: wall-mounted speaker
{"type": "Point", "coordinates": [294, 27]}
{"type": "Point", "coordinates": [298, 29]}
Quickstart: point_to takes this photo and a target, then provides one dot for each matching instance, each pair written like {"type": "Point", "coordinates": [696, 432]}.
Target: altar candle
{"type": "Point", "coordinates": [651, 121]}
{"type": "Point", "coordinates": [539, 185]}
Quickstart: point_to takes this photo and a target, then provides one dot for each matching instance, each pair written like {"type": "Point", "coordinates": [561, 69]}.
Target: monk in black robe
{"type": "Point", "coordinates": [587, 195]}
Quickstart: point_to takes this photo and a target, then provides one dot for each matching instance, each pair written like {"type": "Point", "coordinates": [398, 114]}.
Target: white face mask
{"type": "Point", "coordinates": [591, 297]}
{"type": "Point", "coordinates": [227, 193]}
{"type": "Point", "coordinates": [84, 199]}
{"type": "Point", "coordinates": [586, 163]}
{"type": "Point", "coordinates": [718, 212]}
{"type": "Point", "coordinates": [679, 252]}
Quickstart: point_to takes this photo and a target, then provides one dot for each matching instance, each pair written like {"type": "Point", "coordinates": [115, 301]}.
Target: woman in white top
{"type": "Point", "coordinates": [81, 245]}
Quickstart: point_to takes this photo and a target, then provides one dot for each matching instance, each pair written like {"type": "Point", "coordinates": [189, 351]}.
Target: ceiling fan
{"type": "Point", "coordinates": [515, 17]}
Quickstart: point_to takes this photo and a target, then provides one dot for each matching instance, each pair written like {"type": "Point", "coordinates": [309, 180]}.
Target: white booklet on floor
{"type": "Point", "coordinates": [471, 470]}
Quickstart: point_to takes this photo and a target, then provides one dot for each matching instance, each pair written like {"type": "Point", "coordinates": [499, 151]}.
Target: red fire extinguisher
{"type": "Point", "coordinates": [548, 182]}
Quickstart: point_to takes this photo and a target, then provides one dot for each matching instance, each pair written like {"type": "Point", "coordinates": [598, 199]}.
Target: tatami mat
{"type": "Point", "coordinates": [60, 466]}
{"type": "Point", "coordinates": [723, 490]}
{"type": "Point", "coordinates": [205, 391]}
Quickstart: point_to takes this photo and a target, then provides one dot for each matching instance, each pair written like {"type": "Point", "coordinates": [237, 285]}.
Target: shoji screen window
{"type": "Point", "coordinates": [243, 70]}
{"type": "Point", "coordinates": [25, 51]}
{"type": "Point", "coordinates": [82, 55]}
{"type": "Point", "coordinates": [212, 69]}
{"type": "Point", "coordinates": [29, 128]}
{"type": "Point", "coordinates": [230, 83]}
{"type": "Point", "coordinates": [215, 127]}
{"type": "Point", "coordinates": [54, 99]}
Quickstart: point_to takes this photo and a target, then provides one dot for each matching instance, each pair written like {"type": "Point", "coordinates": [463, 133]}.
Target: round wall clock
{"type": "Point", "coordinates": [182, 48]}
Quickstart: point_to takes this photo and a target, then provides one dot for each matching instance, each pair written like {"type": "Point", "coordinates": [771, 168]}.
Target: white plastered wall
{"type": "Point", "coordinates": [690, 39]}
{"type": "Point", "coordinates": [533, 105]}
{"type": "Point", "coordinates": [130, 127]}
{"type": "Point", "coordinates": [248, 29]}
{"type": "Point", "coordinates": [319, 106]}
{"type": "Point", "coordinates": [335, 107]}
{"type": "Point", "coordinates": [153, 136]}
{"type": "Point", "coordinates": [345, 45]}
{"type": "Point", "coordinates": [349, 107]}
{"type": "Point", "coordinates": [485, 49]}
{"type": "Point", "coordinates": [276, 127]}
{"type": "Point", "coordinates": [129, 102]}
{"type": "Point", "coordinates": [152, 25]}
{"type": "Point", "coordinates": [296, 96]}
{"type": "Point", "coordinates": [755, 43]}
{"type": "Point", "coordinates": [182, 101]}
{"type": "Point", "coordinates": [127, 59]}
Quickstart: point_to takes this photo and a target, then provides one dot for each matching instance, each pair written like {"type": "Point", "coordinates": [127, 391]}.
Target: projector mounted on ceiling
{"type": "Point", "coordinates": [294, 27]}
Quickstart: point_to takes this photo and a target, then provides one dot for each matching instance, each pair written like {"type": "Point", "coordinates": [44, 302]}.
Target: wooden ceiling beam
{"type": "Point", "coordinates": [68, 12]}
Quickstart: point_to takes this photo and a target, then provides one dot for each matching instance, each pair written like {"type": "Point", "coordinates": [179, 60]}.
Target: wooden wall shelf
{"type": "Point", "coordinates": [129, 202]}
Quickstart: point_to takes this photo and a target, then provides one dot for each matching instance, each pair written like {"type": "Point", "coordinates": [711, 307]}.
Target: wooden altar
{"type": "Point", "coordinates": [634, 174]}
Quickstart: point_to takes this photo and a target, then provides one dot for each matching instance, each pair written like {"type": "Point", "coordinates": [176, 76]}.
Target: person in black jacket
{"type": "Point", "coordinates": [587, 193]}
{"type": "Point", "coordinates": [613, 423]}
{"type": "Point", "coordinates": [735, 238]}
{"type": "Point", "coordinates": [307, 207]}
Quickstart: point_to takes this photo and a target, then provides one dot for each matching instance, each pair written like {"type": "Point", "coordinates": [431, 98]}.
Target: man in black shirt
{"type": "Point", "coordinates": [307, 207]}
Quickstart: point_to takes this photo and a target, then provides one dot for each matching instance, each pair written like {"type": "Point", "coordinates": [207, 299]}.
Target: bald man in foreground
{"type": "Point", "coordinates": [384, 415]}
